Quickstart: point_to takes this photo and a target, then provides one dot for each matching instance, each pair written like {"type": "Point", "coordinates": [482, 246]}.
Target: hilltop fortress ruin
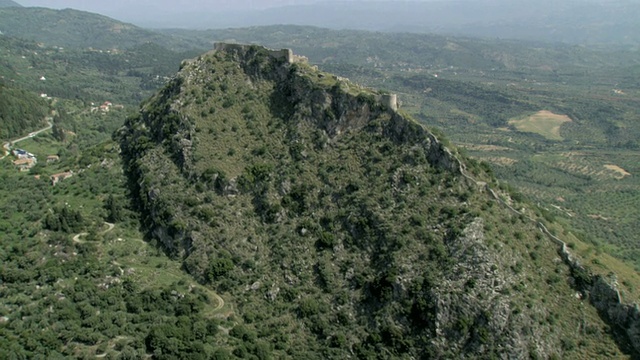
{"type": "Point", "coordinates": [283, 54]}
{"type": "Point", "coordinates": [388, 100]}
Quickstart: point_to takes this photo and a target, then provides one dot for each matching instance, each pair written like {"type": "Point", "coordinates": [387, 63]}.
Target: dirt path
{"type": "Point", "coordinates": [110, 227]}
{"type": "Point", "coordinates": [76, 238]}
{"type": "Point", "coordinates": [219, 299]}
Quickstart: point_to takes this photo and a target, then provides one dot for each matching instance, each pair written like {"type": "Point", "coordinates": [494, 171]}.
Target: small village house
{"type": "Point", "coordinates": [61, 176]}
{"type": "Point", "coordinates": [25, 164]}
{"type": "Point", "coordinates": [22, 154]}
{"type": "Point", "coordinates": [106, 106]}
{"type": "Point", "coordinates": [52, 158]}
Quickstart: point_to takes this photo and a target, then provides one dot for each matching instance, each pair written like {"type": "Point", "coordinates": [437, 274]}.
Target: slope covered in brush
{"type": "Point", "coordinates": [20, 111]}
{"type": "Point", "coordinates": [339, 227]}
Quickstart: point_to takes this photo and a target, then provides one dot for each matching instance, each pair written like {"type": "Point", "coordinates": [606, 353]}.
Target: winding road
{"type": "Point", "coordinates": [7, 146]}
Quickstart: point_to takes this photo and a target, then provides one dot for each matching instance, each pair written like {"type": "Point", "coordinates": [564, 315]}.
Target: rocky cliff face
{"type": "Point", "coordinates": [604, 295]}
{"type": "Point", "coordinates": [337, 225]}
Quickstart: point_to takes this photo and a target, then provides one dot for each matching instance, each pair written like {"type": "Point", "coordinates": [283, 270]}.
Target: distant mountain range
{"type": "Point", "coordinates": [567, 21]}
{"type": "Point", "coordinates": [575, 22]}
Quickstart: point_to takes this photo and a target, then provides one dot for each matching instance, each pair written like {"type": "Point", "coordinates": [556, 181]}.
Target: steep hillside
{"type": "Point", "coordinates": [339, 227]}
{"type": "Point", "coordinates": [20, 111]}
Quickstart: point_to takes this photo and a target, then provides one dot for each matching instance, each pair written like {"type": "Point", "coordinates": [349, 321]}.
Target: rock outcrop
{"type": "Point", "coordinates": [343, 106]}
{"type": "Point", "coordinates": [602, 292]}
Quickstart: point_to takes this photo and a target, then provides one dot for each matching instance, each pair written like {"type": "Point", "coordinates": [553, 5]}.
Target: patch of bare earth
{"type": "Point", "coordinates": [620, 173]}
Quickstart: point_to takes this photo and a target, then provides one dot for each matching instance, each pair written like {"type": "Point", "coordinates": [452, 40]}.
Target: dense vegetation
{"type": "Point", "coordinates": [91, 76]}
{"type": "Point", "coordinates": [77, 280]}
{"type": "Point", "coordinates": [75, 286]}
{"type": "Point", "coordinates": [20, 111]}
{"type": "Point", "coordinates": [83, 289]}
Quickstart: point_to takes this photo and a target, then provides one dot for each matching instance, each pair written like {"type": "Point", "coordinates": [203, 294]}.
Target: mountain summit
{"type": "Point", "coordinates": [339, 227]}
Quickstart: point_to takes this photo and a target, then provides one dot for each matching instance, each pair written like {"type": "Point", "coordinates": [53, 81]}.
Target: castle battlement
{"type": "Point", "coordinates": [282, 54]}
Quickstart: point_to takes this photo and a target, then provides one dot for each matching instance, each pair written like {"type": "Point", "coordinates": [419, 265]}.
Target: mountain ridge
{"type": "Point", "coordinates": [78, 29]}
{"type": "Point", "coordinates": [318, 204]}
{"type": "Point", "coordinates": [593, 23]}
